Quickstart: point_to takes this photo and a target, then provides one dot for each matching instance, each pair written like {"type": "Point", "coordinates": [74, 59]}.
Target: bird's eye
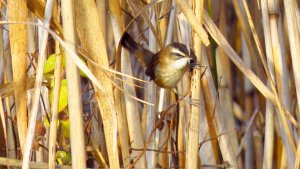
{"type": "Point", "coordinates": [178, 55]}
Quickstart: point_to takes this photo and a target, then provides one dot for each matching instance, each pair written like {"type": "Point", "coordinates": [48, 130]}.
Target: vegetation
{"type": "Point", "coordinates": [73, 97]}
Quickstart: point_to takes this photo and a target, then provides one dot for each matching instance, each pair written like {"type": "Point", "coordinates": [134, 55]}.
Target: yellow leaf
{"type": "Point", "coordinates": [63, 96]}
{"type": "Point", "coordinates": [65, 128]}
{"type": "Point", "coordinates": [47, 123]}
{"type": "Point", "coordinates": [63, 157]}
{"type": "Point", "coordinates": [50, 64]}
{"type": "Point", "coordinates": [81, 72]}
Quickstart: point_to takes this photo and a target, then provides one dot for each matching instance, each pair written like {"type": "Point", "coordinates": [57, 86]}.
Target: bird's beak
{"type": "Point", "coordinates": [193, 61]}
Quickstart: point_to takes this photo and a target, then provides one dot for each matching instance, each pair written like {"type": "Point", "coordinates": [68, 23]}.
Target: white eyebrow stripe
{"type": "Point", "coordinates": [176, 51]}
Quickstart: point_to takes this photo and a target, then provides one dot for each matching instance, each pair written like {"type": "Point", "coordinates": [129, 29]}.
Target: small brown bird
{"type": "Point", "coordinates": [167, 66]}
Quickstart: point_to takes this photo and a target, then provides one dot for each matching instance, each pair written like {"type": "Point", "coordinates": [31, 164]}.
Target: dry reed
{"type": "Point", "coordinates": [239, 109]}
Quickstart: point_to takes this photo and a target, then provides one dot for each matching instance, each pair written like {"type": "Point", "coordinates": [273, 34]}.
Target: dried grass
{"type": "Point", "coordinates": [240, 110]}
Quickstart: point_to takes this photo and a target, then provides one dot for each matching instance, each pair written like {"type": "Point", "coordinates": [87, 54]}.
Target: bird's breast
{"type": "Point", "coordinates": [168, 76]}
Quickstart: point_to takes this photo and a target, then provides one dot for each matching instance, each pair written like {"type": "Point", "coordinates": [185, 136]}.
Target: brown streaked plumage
{"type": "Point", "coordinates": [166, 67]}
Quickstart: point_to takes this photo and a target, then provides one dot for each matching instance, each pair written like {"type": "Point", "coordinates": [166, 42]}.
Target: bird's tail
{"type": "Point", "coordinates": [141, 53]}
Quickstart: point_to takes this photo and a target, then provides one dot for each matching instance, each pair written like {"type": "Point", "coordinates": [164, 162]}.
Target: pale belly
{"type": "Point", "coordinates": [168, 78]}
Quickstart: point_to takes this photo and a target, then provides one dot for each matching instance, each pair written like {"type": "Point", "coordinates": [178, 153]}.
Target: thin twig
{"type": "Point", "coordinates": [157, 125]}
{"type": "Point", "coordinates": [158, 151]}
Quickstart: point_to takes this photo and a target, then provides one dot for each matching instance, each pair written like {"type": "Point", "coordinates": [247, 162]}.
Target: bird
{"type": "Point", "coordinates": [167, 66]}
